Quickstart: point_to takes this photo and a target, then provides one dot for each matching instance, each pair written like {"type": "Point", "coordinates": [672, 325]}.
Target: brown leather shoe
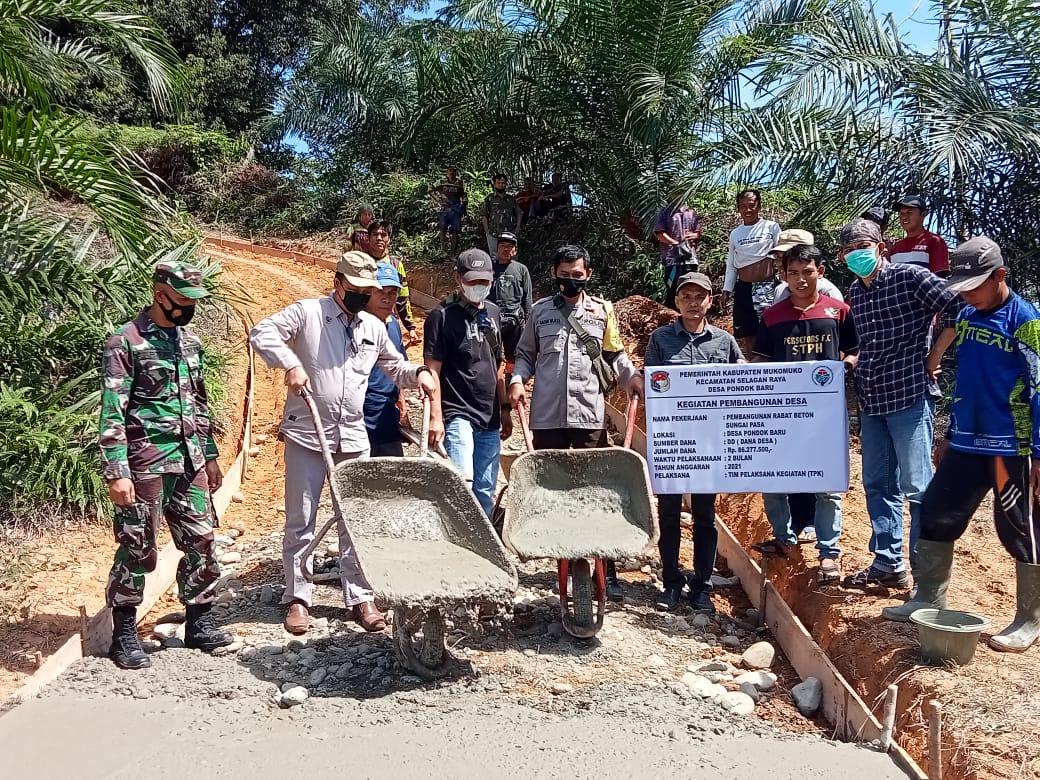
{"type": "Point", "coordinates": [370, 618]}
{"type": "Point", "coordinates": [298, 618]}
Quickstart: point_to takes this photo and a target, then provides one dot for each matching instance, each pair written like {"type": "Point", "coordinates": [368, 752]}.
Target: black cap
{"type": "Point", "coordinates": [913, 201]}
{"type": "Point", "coordinates": [508, 238]}
{"type": "Point", "coordinates": [475, 263]}
{"type": "Point", "coordinates": [876, 214]}
{"type": "Point", "coordinates": [972, 263]}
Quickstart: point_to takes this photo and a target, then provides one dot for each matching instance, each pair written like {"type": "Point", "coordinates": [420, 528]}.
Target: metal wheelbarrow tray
{"type": "Point", "coordinates": [573, 505]}
{"type": "Point", "coordinates": [421, 537]}
{"type": "Point", "coordinates": [593, 503]}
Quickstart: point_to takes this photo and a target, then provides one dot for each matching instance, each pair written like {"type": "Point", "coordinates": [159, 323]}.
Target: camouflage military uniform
{"type": "Point", "coordinates": [155, 430]}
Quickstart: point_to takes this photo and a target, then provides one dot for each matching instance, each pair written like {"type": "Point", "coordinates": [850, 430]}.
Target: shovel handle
{"type": "Point", "coordinates": [525, 428]}
{"type": "Point", "coordinates": [630, 428]}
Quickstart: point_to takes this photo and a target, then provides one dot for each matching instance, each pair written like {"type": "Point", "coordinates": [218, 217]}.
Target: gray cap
{"type": "Point", "coordinates": [508, 237]}
{"type": "Point", "coordinates": [475, 264]}
{"type": "Point", "coordinates": [860, 229]}
{"type": "Point", "coordinates": [972, 263]}
{"type": "Point", "coordinates": [694, 278]}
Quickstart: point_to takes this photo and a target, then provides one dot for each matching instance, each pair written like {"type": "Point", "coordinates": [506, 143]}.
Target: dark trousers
{"type": "Point", "coordinates": [569, 438]}
{"type": "Point", "coordinates": [803, 511]}
{"type": "Point", "coordinates": [511, 332]}
{"type": "Point", "coordinates": [385, 449]}
{"type": "Point", "coordinates": [705, 539]}
{"type": "Point", "coordinates": [961, 482]}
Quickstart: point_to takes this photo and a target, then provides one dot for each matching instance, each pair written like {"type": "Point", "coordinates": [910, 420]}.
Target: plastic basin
{"type": "Point", "coordinates": [948, 636]}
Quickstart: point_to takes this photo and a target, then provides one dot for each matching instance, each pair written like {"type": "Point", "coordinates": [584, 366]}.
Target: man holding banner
{"type": "Point", "coordinates": [689, 341]}
{"type": "Point", "coordinates": [806, 326]}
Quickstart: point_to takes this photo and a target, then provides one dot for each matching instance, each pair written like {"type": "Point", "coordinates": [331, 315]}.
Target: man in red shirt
{"type": "Point", "coordinates": [920, 247]}
{"type": "Point", "coordinates": [806, 326]}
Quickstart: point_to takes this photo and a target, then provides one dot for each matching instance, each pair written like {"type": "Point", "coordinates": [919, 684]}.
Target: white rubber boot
{"type": "Point", "coordinates": [1023, 632]}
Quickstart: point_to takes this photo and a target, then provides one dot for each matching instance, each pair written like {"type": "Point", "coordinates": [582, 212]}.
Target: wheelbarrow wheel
{"type": "Point", "coordinates": [418, 637]}
{"type": "Point", "coordinates": [581, 593]}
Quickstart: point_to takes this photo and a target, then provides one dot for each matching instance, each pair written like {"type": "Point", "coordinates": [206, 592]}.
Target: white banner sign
{"type": "Point", "coordinates": [751, 428]}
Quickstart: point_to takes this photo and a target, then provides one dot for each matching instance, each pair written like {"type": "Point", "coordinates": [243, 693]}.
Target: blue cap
{"type": "Point", "coordinates": [387, 275]}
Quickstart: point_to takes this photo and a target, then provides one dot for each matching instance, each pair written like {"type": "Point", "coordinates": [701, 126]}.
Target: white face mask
{"type": "Point", "coordinates": [475, 293]}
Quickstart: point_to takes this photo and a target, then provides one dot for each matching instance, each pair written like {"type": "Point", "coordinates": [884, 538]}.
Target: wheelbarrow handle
{"type": "Point", "coordinates": [630, 428]}
{"type": "Point", "coordinates": [525, 428]}
{"type": "Point", "coordinates": [319, 430]}
{"type": "Point", "coordinates": [424, 434]}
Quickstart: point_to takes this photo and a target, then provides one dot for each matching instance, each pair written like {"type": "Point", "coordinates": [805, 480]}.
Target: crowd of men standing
{"type": "Point", "coordinates": [488, 338]}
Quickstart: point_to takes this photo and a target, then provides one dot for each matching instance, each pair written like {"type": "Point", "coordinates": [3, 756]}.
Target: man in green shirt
{"type": "Point", "coordinates": [499, 213]}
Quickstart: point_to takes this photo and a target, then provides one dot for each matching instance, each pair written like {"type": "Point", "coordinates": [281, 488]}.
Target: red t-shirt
{"type": "Point", "coordinates": [822, 332]}
{"type": "Point", "coordinates": [926, 250]}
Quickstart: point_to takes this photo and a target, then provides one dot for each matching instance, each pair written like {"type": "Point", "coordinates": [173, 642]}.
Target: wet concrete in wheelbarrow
{"type": "Point", "coordinates": [421, 537]}
{"type": "Point", "coordinates": [579, 504]}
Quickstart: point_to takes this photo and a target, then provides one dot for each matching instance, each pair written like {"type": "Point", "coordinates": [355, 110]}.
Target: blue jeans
{"type": "Point", "coordinates": [475, 453]}
{"type": "Point", "coordinates": [828, 521]}
{"type": "Point", "coordinates": [897, 463]}
{"type": "Point", "coordinates": [451, 218]}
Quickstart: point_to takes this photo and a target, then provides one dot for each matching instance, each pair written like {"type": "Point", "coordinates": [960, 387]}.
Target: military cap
{"type": "Point", "coordinates": [184, 278]}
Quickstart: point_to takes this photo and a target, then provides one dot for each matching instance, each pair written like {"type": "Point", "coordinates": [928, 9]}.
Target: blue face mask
{"type": "Point", "coordinates": [862, 262]}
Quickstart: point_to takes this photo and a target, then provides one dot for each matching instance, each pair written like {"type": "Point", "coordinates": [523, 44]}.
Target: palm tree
{"type": "Point", "coordinates": [44, 151]}
{"type": "Point", "coordinates": [850, 111]}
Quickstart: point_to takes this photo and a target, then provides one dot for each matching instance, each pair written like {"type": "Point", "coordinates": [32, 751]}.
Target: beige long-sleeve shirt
{"type": "Point", "coordinates": [338, 352]}
{"type": "Point", "coordinates": [566, 391]}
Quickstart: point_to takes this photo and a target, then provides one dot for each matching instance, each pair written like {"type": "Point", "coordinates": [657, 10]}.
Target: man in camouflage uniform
{"type": "Point", "coordinates": [160, 460]}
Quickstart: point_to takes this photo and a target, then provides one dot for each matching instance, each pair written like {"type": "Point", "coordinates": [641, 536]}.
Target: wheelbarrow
{"type": "Point", "coordinates": [422, 541]}
{"type": "Point", "coordinates": [577, 505]}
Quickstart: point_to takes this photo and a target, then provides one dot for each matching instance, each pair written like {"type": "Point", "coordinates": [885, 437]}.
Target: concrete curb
{"type": "Point", "coordinates": [96, 632]}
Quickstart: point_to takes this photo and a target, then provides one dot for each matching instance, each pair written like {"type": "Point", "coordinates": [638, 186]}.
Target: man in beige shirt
{"type": "Point", "coordinates": [328, 346]}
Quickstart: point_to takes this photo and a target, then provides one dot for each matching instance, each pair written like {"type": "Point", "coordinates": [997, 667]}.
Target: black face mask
{"type": "Point", "coordinates": [182, 319]}
{"type": "Point", "coordinates": [355, 302]}
{"type": "Point", "coordinates": [571, 288]}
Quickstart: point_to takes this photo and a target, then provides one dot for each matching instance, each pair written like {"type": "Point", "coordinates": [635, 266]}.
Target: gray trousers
{"type": "Point", "coordinates": [304, 479]}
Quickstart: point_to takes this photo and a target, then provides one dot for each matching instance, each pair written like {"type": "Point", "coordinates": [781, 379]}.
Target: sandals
{"type": "Point", "coordinates": [772, 548]}
{"type": "Point", "coordinates": [828, 573]}
{"type": "Point", "coordinates": [807, 536]}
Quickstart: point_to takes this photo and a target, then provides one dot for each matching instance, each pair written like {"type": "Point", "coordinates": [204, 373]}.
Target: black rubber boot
{"type": "Point", "coordinates": [200, 632]}
{"type": "Point", "coordinates": [614, 591]}
{"type": "Point", "coordinates": [126, 649]}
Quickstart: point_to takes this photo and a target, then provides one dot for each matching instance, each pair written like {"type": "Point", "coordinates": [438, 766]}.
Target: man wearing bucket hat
{"type": "Point", "coordinates": [993, 442]}
{"type": "Point", "coordinates": [894, 306]}
{"type": "Point", "coordinates": [329, 347]}
{"type": "Point", "coordinates": [689, 341]}
{"type": "Point", "coordinates": [160, 460]}
{"type": "Point", "coordinates": [463, 347]}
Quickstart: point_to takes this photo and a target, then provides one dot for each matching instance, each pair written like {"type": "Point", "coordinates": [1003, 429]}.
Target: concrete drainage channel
{"type": "Point", "coordinates": [240, 712]}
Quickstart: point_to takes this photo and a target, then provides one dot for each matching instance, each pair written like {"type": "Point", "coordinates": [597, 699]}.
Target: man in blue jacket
{"type": "Point", "coordinates": [993, 442]}
{"type": "Point", "coordinates": [382, 412]}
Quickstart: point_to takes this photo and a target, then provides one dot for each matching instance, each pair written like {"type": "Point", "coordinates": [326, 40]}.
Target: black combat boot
{"type": "Point", "coordinates": [614, 591]}
{"type": "Point", "coordinates": [126, 649]}
{"type": "Point", "coordinates": [200, 633]}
